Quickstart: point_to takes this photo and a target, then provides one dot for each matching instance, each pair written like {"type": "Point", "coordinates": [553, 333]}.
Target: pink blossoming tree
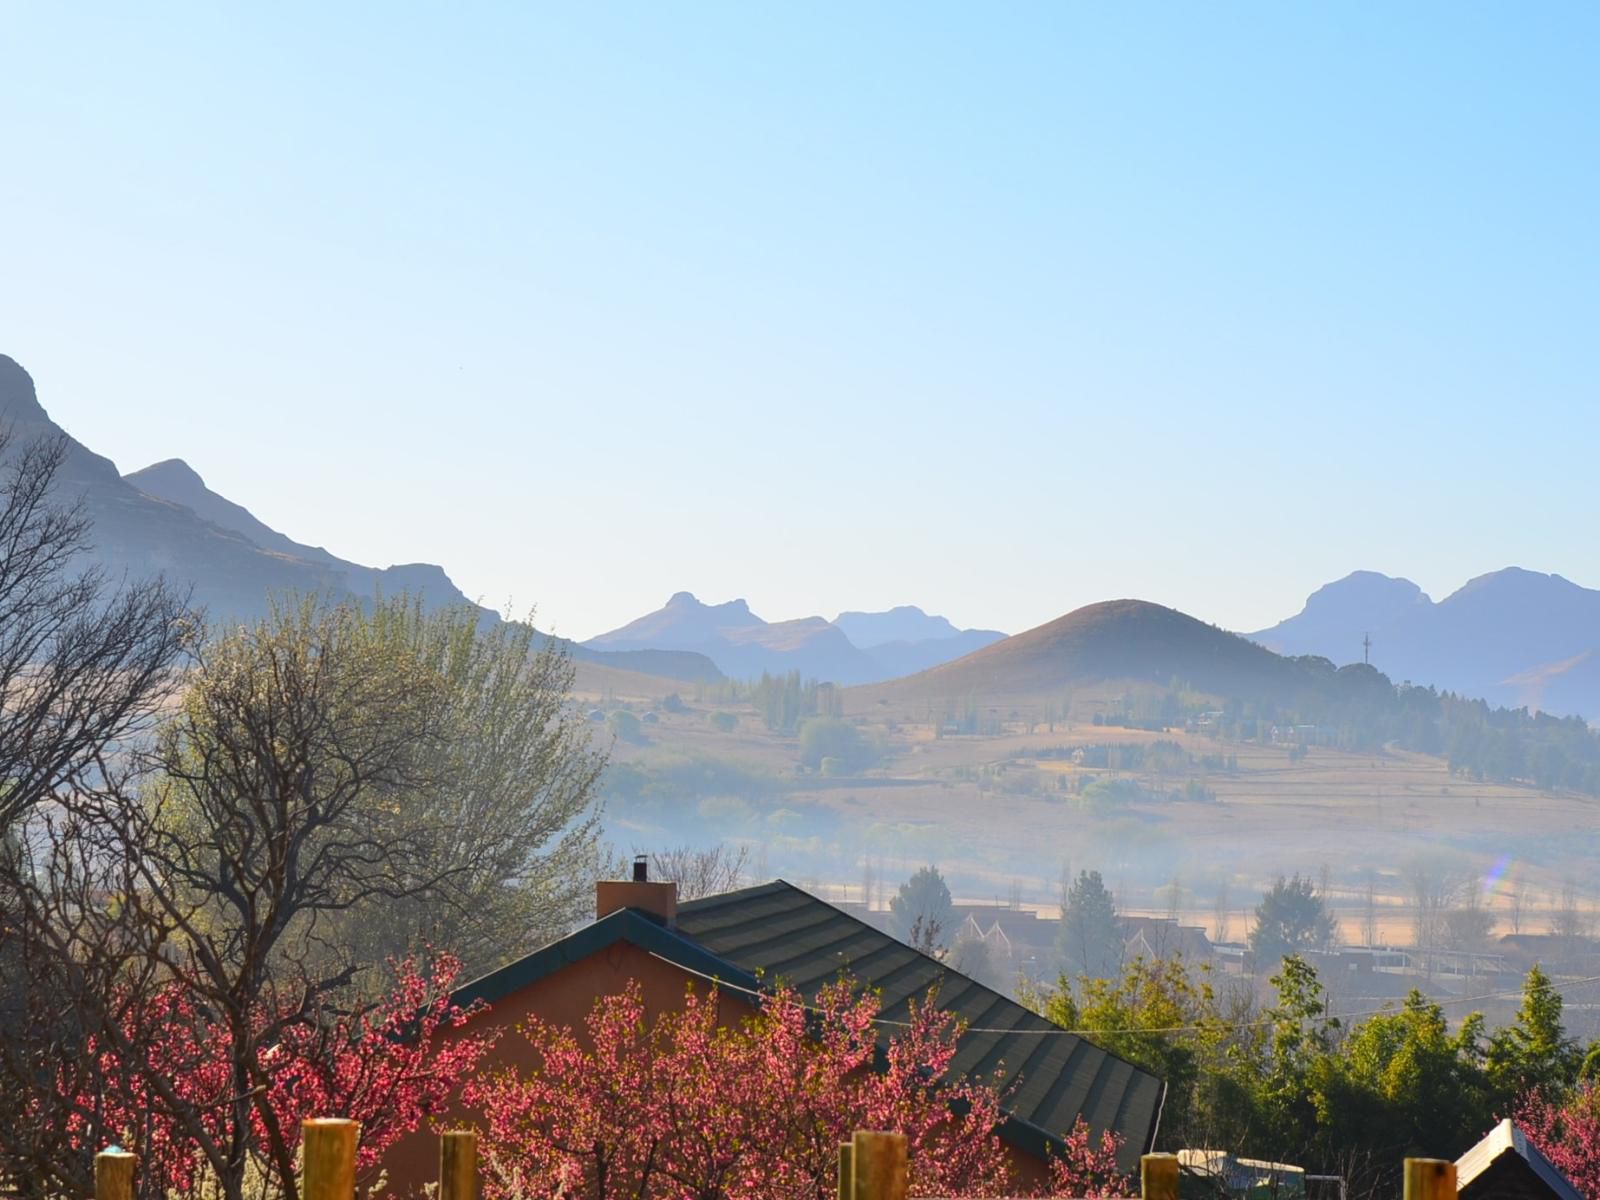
{"type": "Point", "coordinates": [690, 1107]}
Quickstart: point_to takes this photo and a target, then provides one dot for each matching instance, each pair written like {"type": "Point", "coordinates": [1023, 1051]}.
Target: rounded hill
{"type": "Point", "coordinates": [1116, 640]}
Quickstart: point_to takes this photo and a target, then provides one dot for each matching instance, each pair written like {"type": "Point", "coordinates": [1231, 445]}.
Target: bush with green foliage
{"type": "Point", "coordinates": [830, 737]}
{"type": "Point", "coordinates": [625, 726]}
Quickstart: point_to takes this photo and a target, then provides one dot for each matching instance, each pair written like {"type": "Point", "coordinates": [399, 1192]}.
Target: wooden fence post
{"type": "Point", "coordinates": [1430, 1179]}
{"type": "Point", "coordinates": [113, 1174]}
{"type": "Point", "coordinates": [328, 1150]}
{"type": "Point", "coordinates": [458, 1165]}
{"type": "Point", "coordinates": [1158, 1177]}
{"type": "Point", "coordinates": [878, 1166]}
{"type": "Point", "coordinates": [847, 1178]}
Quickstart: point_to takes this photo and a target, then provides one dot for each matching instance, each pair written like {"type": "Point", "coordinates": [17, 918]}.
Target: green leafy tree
{"type": "Point", "coordinates": [922, 913]}
{"type": "Point", "coordinates": [1090, 942]}
{"type": "Point", "coordinates": [829, 737]}
{"type": "Point", "coordinates": [1404, 1083]}
{"type": "Point", "coordinates": [625, 726]}
{"type": "Point", "coordinates": [1533, 1053]}
{"type": "Point", "coordinates": [1290, 919]}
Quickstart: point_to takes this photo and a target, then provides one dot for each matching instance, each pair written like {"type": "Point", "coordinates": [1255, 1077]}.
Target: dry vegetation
{"type": "Point", "coordinates": [1004, 812]}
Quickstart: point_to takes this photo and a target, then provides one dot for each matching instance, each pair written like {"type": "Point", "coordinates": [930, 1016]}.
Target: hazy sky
{"type": "Point", "coordinates": [999, 310]}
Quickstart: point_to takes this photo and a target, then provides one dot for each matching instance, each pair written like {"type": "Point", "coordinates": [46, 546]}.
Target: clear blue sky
{"type": "Point", "coordinates": [995, 309]}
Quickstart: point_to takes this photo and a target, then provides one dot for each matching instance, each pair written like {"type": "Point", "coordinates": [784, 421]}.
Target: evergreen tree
{"type": "Point", "coordinates": [922, 913]}
{"type": "Point", "coordinates": [1291, 918]}
{"type": "Point", "coordinates": [1090, 943]}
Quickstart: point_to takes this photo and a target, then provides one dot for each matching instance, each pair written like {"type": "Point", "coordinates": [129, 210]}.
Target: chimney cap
{"type": "Point", "coordinates": [641, 868]}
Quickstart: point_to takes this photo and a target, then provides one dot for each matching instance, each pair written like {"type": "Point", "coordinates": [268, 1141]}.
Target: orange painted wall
{"type": "Point", "coordinates": [564, 997]}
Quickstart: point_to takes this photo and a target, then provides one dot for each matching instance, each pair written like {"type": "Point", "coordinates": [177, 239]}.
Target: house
{"type": "Point", "coordinates": [1155, 938]}
{"type": "Point", "coordinates": [1506, 1166]}
{"type": "Point", "coordinates": [750, 939]}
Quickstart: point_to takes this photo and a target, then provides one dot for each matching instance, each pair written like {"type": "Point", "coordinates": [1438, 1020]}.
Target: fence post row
{"type": "Point", "coordinates": [872, 1166]}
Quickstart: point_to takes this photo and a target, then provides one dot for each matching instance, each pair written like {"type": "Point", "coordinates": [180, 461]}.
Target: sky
{"type": "Point", "coordinates": [998, 310]}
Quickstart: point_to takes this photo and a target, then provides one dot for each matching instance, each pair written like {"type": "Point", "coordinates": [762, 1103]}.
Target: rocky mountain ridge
{"type": "Point", "coordinates": [1513, 637]}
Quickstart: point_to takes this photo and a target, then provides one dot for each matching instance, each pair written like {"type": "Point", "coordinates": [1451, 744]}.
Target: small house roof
{"type": "Point", "coordinates": [1049, 1078]}
{"type": "Point", "coordinates": [751, 939]}
{"type": "Point", "coordinates": [1506, 1166]}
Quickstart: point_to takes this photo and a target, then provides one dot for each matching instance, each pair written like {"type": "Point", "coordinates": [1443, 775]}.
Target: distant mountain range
{"type": "Point", "coordinates": [1512, 637]}
{"type": "Point", "coordinates": [856, 647]}
{"type": "Point", "coordinates": [165, 520]}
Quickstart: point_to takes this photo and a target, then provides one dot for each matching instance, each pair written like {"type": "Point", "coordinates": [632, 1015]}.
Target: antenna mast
{"type": "Point", "coordinates": [1366, 649]}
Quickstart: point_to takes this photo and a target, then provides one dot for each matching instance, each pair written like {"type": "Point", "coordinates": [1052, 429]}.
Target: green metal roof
{"type": "Point", "coordinates": [781, 933]}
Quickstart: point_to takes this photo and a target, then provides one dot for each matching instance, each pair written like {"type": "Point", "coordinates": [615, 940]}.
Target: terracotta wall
{"type": "Point", "coordinates": [565, 997]}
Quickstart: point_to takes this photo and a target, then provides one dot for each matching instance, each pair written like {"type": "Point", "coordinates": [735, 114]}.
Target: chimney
{"type": "Point", "coordinates": [658, 901]}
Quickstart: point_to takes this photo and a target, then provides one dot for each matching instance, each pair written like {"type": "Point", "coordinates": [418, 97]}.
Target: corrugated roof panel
{"type": "Point", "coordinates": [784, 932]}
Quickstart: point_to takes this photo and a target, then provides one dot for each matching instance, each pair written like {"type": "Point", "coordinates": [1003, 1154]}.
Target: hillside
{"type": "Point", "coordinates": [1122, 641]}
{"type": "Point", "coordinates": [1513, 637]}
{"type": "Point", "coordinates": [164, 520]}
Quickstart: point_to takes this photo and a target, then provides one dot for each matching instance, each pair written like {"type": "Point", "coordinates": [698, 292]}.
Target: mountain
{"type": "Point", "coordinates": [740, 643]}
{"type": "Point", "coordinates": [1116, 641]}
{"type": "Point", "coordinates": [164, 520]}
{"type": "Point", "coordinates": [905, 640]}
{"type": "Point", "coordinates": [857, 647]}
{"type": "Point", "coordinates": [906, 623]}
{"type": "Point", "coordinates": [176, 481]}
{"type": "Point", "coordinates": [1514, 637]}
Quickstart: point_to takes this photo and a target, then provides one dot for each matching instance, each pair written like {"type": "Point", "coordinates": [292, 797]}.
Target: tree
{"type": "Point", "coordinates": [317, 784]}
{"type": "Point", "coordinates": [1405, 1081]}
{"type": "Point", "coordinates": [84, 665]}
{"type": "Point", "coordinates": [922, 913]}
{"type": "Point", "coordinates": [1533, 1054]}
{"type": "Point", "coordinates": [511, 796]}
{"type": "Point", "coordinates": [829, 737]}
{"type": "Point", "coordinates": [1090, 941]}
{"type": "Point", "coordinates": [970, 956]}
{"type": "Point", "coordinates": [1567, 1131]}
{"type": "Point", "coordinates": [1290, 918]}
{"type": "Point", "coordinates": [707, 1108]}
{"type": "Point", "coordinates": [702, 872]}
{"type": "Point", "coordinates": [166, 1072]}
{"type": "Point", "coordinates": [625, 726]}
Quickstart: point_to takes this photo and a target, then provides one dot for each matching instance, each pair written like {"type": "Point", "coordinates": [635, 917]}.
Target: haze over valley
{"type": "Point", "coordinates": [1189, 765]}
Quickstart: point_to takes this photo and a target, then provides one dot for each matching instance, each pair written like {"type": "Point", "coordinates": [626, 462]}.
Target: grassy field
{"type": "Point", "coordinates": [1005, 814]}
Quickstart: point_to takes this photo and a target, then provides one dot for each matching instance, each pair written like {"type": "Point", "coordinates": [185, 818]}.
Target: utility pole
{"type": "Point", "coordinates": [1366, 649]}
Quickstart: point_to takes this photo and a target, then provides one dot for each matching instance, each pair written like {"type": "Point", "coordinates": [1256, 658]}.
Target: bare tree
{"type": "Point", "coordinates": [1369, 910]}
{"type": "Point", "coordinates": [84, 663]}
{"type": "Point", "coordinates": [1221, 914]}
{"type": "Point", "coordinates": [1518, 904]}
{"type": "Point", "coordinates": [705, 871]}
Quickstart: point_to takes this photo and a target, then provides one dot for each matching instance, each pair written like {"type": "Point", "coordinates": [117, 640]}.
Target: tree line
{"type": "Point", "coordinates": [238, 863]}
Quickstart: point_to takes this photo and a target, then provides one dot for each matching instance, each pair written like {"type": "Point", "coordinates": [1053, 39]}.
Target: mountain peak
{"type": "Point", "coordinates": [19, 399]}
{"type": "Point", "coordinates": [173, 470]}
